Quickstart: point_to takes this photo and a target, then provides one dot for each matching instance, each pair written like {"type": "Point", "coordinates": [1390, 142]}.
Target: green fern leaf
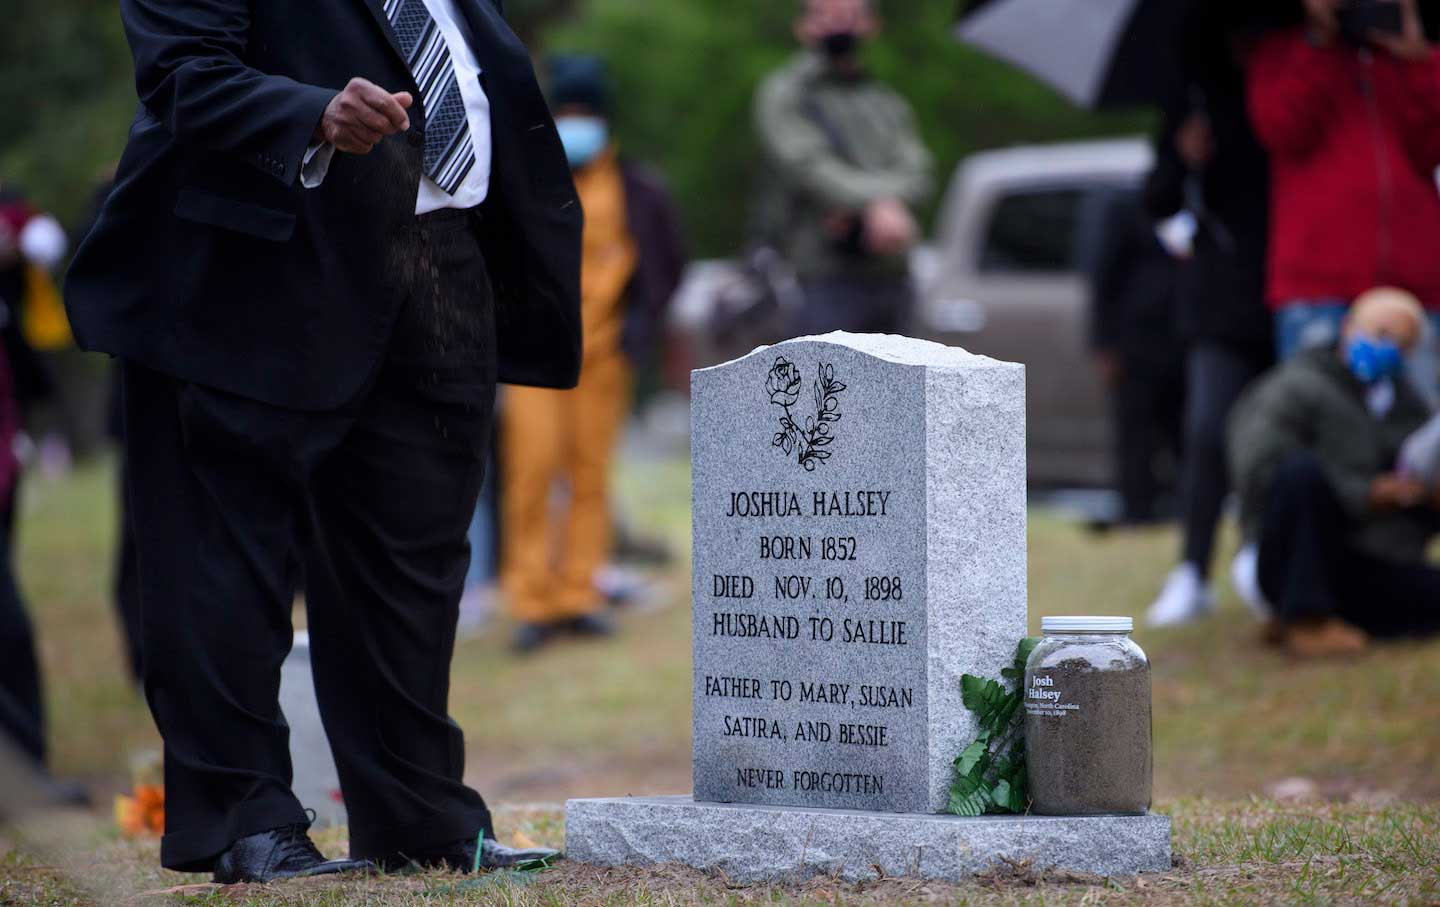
{"type": "Point", "coordinates": [990, 771]}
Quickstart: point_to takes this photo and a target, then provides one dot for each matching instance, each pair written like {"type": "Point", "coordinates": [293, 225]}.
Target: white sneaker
{"type": "Point", "coordinates": [1186, 597]}
{"type": "Point", "coordinates": [1245, 579]}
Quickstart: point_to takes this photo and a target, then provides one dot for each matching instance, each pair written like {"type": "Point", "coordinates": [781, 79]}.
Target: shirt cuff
{"type": "Point", "coordinates": [316, 164]}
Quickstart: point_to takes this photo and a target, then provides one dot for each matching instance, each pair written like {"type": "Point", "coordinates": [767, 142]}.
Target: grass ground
{"type": "Point", "coordinates": [1289, 782]}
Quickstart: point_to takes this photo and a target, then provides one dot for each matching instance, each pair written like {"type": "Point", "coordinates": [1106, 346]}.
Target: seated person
{"type": "Point", "coordinates": [1341, 534]}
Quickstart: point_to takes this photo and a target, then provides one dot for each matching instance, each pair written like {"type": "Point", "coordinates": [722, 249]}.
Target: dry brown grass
{"type": "Point", "coordinates": [1255, 852]}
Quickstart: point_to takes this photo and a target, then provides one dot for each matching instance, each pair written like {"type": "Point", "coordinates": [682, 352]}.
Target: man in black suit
{"type": "Point", "coordinates": [334, 227]}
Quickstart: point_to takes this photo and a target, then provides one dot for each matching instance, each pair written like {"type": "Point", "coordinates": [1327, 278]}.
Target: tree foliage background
{"type": "Point", "coordinates": [684, 73]}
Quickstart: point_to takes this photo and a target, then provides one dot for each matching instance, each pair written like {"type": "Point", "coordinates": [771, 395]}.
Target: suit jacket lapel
{"type": "Point", "coordinates": [377, 10]}
{"type": "Point", "coordinates": [495, 45]}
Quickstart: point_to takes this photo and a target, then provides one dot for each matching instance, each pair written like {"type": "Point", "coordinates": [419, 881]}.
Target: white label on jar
{"type": "Point", "coordinates": [1043, 700]}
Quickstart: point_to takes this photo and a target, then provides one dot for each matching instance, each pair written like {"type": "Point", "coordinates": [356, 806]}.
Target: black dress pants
{"type": "Point", "coordinates": [377, 497]}
{"type": "Point", "coordinates": [1309, 567]}
{"type": "Point", "coordinates": [126, 584]}
{"type": "Point", "coordinates": [1149, 401]}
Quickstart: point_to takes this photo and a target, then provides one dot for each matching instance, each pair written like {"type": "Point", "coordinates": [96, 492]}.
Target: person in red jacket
{"type": "Point", "coordinates": [1352, 124]}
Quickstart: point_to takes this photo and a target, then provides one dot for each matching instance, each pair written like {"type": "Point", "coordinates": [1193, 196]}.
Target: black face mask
{"type": "Point", "coordinates": [840, 44]}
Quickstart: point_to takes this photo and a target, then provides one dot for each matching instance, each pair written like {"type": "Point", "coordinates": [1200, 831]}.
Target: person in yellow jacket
{"type": "Point", "coordinates": [633, 258]}
{"type": "Point", "coordinates": [32, 320]}
{"type": "Point", "coordinates": [32, 243]}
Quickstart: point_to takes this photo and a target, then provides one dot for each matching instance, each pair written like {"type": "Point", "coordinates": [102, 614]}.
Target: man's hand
{"type": "Point", "coordinates": [889, 227]}
{"type": "Point", "coordinates": [360, 116]}
{"type": "Point", "coordinates": [1410, 44]}
{"type": "Point", "coordinates": [1322, 20]}
{"type": "Point", "coordinates": [1391, 491]}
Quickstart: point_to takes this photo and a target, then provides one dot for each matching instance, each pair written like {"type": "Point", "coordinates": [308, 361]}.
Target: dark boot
{"type": "Point", "coordinates": [597, 625]}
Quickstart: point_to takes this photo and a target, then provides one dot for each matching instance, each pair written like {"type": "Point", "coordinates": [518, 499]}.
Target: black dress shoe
{"type": "Point", "coordinates": [597, 625]}
{"type": "Point", "coordinates": [281, 853]}
{"type": "Point", "coordinates": [459, 856]}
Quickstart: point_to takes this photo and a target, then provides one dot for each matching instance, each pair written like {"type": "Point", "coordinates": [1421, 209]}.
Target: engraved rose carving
{"type": "Point", "coordinates": [783, 383]}
{"type": "Point", "coordinates": [808, 442]}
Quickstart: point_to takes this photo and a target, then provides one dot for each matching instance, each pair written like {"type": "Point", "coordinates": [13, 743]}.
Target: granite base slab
{"type": "Point", "coordinates": [785, 843]}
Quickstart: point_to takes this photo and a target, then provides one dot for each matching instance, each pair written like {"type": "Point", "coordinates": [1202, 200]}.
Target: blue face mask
{"type": "Point", "coordinates": [583, 137]}
{"type": "Point", "coordinates": [1372, 360]}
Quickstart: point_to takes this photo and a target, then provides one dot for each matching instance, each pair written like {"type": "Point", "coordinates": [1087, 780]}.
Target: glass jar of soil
{"type": "Point", "coordinates": [1087, 719]}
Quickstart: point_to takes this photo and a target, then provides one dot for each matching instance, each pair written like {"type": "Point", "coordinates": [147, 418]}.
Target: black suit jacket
{"type": "Point", "coordinates": [211, 263]}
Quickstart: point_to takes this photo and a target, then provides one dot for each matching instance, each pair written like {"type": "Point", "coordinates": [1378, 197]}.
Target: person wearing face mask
{"type": "Point", "coordinates": [1349, 113]}
{"type": "Point", "coordinates": [633, 256]}
{"type": "Point", "coordinates": [845, 169]}
{"type": "Point", "coordinates": [1341, 529]}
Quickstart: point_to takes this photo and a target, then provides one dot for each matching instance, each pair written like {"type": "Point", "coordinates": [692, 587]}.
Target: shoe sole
{"type": "Point", "coordinates": [356, 868]}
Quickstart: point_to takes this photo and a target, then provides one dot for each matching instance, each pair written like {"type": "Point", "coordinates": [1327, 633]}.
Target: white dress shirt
{"type": "Point", "coordinates": [476, 185]}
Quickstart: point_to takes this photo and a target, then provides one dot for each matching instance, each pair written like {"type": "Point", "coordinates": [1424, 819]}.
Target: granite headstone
{"type": "Point", "coordinates": [859, 543]}
{"type": "Point", "coordinates": [859, 507]}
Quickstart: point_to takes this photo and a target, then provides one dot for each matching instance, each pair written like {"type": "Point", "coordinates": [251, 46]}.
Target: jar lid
{"type": "Point", "coordinates": [1087, 624]}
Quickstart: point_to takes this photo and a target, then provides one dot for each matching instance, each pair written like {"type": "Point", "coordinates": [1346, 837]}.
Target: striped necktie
{"type": "Point", "coordinates": [449, 147]}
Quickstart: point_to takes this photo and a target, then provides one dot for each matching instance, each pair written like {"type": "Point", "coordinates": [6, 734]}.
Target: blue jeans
{"type": "Point", "coordinates": [1307, 324]}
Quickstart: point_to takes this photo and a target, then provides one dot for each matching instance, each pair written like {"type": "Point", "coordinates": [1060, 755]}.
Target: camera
{"type": "Point", "coordinates": [1359, 19]}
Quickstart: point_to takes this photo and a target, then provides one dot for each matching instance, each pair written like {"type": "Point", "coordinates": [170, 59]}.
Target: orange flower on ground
{"type": "Point", "coordinates": [143, 813]}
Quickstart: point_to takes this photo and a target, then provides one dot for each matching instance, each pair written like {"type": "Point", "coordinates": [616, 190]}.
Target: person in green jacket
{"type": "Point", "coordinates": [845, 169]}
{"type": "Point", "coordinates": [1341, 532]}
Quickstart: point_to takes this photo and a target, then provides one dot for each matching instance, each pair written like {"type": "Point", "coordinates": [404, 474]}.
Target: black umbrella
{"type": "Point", "coordinates": [1100, 53]}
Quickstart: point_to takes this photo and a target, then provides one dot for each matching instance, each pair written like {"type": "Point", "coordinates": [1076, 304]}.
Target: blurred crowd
{"type": "Point", "coordinates": [1266, 316]}
{"type": "Point", "coordinates": [837, 207]}
{"type": "Point", "coordinates": [1292, 300]}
